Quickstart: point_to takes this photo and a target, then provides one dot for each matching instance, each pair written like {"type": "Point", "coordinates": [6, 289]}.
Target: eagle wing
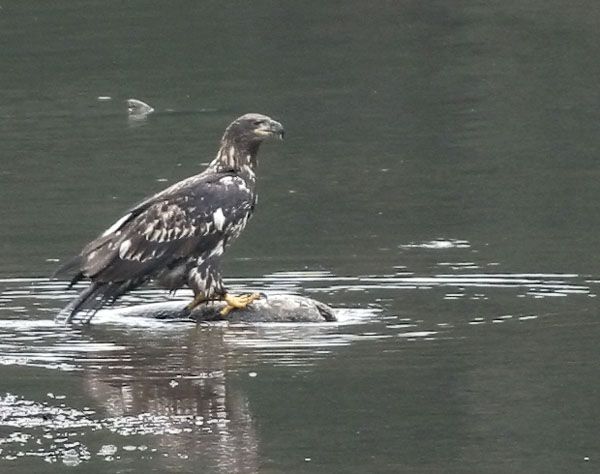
{"type": "Point", "coordinates": [191, 218]}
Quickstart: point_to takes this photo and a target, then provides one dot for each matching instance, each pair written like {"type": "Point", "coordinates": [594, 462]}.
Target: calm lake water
{"type": "Point", "coordinates": [438, 187]}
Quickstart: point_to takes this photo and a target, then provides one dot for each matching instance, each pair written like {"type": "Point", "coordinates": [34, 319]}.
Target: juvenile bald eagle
{"type": "Point", "coordinates": [177, 236]}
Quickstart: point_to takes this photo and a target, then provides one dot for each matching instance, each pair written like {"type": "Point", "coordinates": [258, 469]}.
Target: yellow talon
{"type": "Point", "coordinates": [237, 302]}
{"type": "Point", "coordinates": [198, 299]}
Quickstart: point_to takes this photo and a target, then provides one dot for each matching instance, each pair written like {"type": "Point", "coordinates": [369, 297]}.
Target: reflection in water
{"type": "Point", "coordinates": [170, 416]}
{"type": "Point", "coordinates": [165, 389]}
{"type": "Point", "coordinates": [166, 386]}
{"type": "Point", "coordinates": [182, 397]}
{"type": "Point", "coordinates": [173, 394]}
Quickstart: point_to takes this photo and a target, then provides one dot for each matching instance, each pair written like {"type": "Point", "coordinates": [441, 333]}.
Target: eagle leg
{"type": "Point", "coordinates": [198, 300]}
{"type": "Point", "coordinates": [237, 302]}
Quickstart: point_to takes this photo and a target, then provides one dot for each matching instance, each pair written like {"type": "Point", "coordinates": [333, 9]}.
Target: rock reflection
{"type": "Point", "coordinates": [183, 397]}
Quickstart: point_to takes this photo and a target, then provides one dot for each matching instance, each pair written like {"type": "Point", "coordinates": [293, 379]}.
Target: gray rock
{"type": "Point", "coordinates": [274, 308]}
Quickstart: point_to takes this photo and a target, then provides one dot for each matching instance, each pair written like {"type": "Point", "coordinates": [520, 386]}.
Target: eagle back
{"type": "Point", "coordinates": [196, 217]}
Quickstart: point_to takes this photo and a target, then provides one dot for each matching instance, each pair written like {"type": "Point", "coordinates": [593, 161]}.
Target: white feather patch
{"type": "Point", "coordinates": [249, 171]}
{"type": "Point", "coordinates": [242, 185]}
{"type": "Point", "coordinates": [218, 250]}
{"type": "Point", "coordinates": [124, 247]}
{"type": "Point", "coordinates": [163, 235]}
{"type": "Point", "coordinates": [219, 219]}
{"type": "Point", "coordinates": [117, 225]}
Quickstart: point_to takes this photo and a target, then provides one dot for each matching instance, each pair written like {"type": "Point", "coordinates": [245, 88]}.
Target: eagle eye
{"type": "Point", "coordinates": [258, 122]}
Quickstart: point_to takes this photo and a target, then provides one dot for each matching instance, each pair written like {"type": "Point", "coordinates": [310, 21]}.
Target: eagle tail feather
{"type": "Point", "coordinates": [68, 267]}
{"type": "Point", "coordinates": [89, 301]}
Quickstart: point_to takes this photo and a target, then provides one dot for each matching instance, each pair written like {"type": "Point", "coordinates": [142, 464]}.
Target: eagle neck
{"type": "Point", "coordinates": [237, 157]}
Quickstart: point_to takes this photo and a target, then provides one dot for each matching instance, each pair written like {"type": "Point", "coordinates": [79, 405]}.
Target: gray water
{"type": "Point", "coordinates": [438, 187]}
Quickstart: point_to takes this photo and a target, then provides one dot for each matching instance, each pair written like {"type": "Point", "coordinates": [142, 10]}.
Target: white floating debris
{"type": "Point", "coordinates": [138, 109]}
{"type": "Point", "coordinates": [417, 334]}
{"type": "Point", "coordinates": [400, 326]}
{"type": "Point", "coordinates": [107, 450]}
{"type": "Point", "coordinates": [173, 383]}
{"type": "Point", "coordinates": [252, 374]}
{"type": "Point", "coordinates": [453, 296]}
{"type": "Point", "coordinates": [104, 97]}
{"type": "Point", "coordinates": [526, 318]}
{"type": "Point", "coordinates": [439, 244]}
{"type": "Point", "coordinates": [71, 458]}
{"type": "Point", "coordinates": [307, 459]}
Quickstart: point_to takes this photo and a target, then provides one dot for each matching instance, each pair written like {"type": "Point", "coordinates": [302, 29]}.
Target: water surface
{"type": "Point", "coordinates": [438, 187]}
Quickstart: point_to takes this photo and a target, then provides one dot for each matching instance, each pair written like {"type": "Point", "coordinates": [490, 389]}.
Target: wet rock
{"type": "Point", "coordinates": [275, 308]}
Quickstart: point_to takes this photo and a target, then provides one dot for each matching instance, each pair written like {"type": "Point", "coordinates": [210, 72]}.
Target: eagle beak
{"type": "Point", "coordinates": [276, 129]}
{"type": "Point", "coordinates": [270, 129]}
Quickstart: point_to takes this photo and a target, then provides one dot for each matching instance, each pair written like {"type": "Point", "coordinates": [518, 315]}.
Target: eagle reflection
{"type": "Point", "coordinates": [175, 394]}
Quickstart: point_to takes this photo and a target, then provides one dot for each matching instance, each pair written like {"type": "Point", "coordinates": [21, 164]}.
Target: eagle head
{"type": "Point", "coordinates": [253, 128]}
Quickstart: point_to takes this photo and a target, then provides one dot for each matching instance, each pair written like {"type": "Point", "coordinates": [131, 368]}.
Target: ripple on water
{"type": "Point", "coordinates": [171, 363]}
{"type": "Point", "coordinates": [54, 432]}
{"type": "Point", "coordinates": [40, 343]}
{"type": "Point", "coordinates": [37, 341]}
{"type": "Point", "coordinates": [438, 244]}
